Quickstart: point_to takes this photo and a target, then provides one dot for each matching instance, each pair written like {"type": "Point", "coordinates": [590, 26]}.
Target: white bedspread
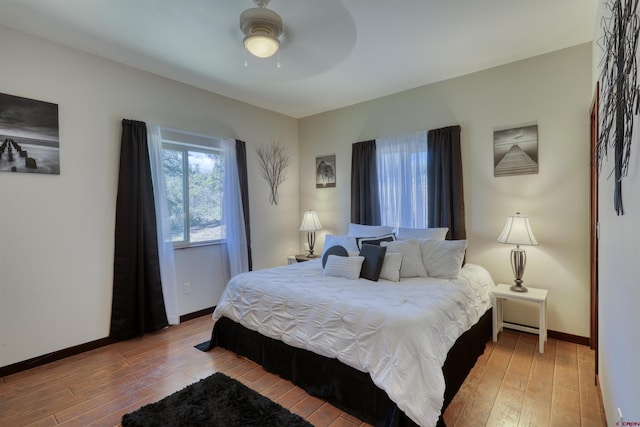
{"type": "Point", "coordinates": [399, 333]}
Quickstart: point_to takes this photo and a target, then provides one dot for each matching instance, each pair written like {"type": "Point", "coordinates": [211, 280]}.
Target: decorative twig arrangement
{"type": "Point", "coordinates": [619, 96]}
{"type": "Point", "coordinates": [273, 159]}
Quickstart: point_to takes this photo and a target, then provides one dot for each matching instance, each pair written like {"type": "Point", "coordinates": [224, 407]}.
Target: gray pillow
{"type": "Point", "coordinates": [373, 259]}
{"type": "Point", "coordinates": [333, 250]}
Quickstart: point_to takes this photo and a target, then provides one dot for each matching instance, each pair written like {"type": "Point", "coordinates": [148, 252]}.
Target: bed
{"type": "Point", "coordinates": [392, 353]}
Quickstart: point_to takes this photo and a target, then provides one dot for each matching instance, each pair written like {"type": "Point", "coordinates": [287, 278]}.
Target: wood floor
{"type": "Point", "coordinates": [511, 385]}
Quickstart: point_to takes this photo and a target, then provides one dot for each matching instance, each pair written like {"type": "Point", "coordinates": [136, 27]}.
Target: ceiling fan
{"type": "Point", "coordinates": [262, 28]}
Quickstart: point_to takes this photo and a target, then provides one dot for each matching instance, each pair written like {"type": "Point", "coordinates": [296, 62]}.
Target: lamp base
{"type": "Point", "coordinates": [518, 262]}
{"type": "Point", "coordinates": [311, 240]}
{"type": "Point", "coordinates": [518, 287]}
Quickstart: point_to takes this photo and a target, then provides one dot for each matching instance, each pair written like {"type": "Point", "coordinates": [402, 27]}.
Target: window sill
{"type": "Point", "coordinates": [199, 245]}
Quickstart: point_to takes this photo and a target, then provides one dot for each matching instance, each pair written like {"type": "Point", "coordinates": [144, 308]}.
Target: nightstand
{"type": "Point", "coordinates": [539, 296]}
{"type": "Point", "coordinates": [292, 259]}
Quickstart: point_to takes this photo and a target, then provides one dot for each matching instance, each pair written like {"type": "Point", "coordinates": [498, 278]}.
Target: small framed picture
{"type": "Point", "coordinates": [326, 171]}
{"type": "Point", "coordinates": [515, 151]}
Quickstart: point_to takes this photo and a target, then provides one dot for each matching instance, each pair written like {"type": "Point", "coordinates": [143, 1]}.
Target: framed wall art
{"type": "Point", "coordinates": [29, 138]}
{"type": "Point", "coordinates": [515, 150]}
{"type": "Point", "coordinates": [326, 171]}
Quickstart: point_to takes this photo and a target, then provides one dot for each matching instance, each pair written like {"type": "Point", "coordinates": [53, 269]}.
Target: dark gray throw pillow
{"type": "Point", "coordinates": [373, 259]}
{"type": "Point", "coordinates": [333, 250]}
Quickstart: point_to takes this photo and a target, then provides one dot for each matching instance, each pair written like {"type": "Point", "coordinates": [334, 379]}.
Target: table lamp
{"type": "Point", "coordinates": [518, 232]}
{"type": "Point", "coordinates": [311, 224]}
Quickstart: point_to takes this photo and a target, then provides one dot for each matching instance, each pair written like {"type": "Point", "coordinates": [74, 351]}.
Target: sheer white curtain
{"type": "Point", "coordinates": [165, 245]}
{"type": "Point", "coordinates": [402, 179]}
{"type": "Point", "coordinates": [232, 212]}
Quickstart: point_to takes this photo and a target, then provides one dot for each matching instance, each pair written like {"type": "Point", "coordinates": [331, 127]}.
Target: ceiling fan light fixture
{"type": "Point", "coordinates": [261, 45]}
{"type": "Point", "coordinates": [261, 27]}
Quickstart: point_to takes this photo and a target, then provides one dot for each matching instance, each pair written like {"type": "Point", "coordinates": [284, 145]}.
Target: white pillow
{"type": "Point", "coordinates": [359, 230]}
{"type": "Point", "coordinates": [342, 266]}
{"type": "Point", "coordinates": [443, 258]}
{"type": "Point", "coordinates": [347, 242]}
{"type": "Point", "coordinates": [438, 233]}
{"type": "Point", "coordinates": [411, 257]}
{"type": "Point", "coordinates": [391, 266]}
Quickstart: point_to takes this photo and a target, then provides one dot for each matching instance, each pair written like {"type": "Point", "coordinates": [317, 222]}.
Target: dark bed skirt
{"type": "Point", "coordinates": [347, 388]}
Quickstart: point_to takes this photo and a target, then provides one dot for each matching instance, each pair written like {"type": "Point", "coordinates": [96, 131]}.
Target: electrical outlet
{"type": "Point", "coordinates": [186, 288]}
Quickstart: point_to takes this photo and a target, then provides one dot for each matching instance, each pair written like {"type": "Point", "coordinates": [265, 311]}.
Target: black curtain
{"type": "Point", "coordinates": [138, 303]}
{"type": "Point", "coordinates": [241, 158]}
{"type": "Point", "coordinates": [365, 201]}
{"type": "Point", "coordinates": [444, 169]}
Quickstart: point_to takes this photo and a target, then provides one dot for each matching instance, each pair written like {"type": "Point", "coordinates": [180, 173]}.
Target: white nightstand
{"type": "Point", "coordinates": [502, 292]}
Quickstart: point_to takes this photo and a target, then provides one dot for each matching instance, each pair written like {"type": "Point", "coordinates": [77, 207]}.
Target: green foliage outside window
{"type": "Point", "coordinates": [195, 198]}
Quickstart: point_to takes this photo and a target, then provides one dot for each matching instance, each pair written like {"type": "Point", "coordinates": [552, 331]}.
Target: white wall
{"type": "Point", "coordinates": [619, 290]}
{"type": "Point", "coordinates": [206, 270]}
{"type": "Point", "coordinates": [56, 231]}
{"type": "Point", "coordinates": [555, 91]}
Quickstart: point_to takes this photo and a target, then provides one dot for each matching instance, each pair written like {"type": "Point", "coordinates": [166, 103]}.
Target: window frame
{"type": "Point", "coordinates": [182, 142]}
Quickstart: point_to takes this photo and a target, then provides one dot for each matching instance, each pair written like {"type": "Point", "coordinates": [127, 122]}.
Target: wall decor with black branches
{"type": "Point", "coordinates": [619, 88]}
{"type": "Point", "coordinates": [273, 160]}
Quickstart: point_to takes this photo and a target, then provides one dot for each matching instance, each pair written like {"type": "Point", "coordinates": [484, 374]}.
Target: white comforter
{"type": "Point", "coordinates": [399, 333]}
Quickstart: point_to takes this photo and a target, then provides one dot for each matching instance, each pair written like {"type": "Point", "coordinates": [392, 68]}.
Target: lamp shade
{"type": "Point", "coordinates": [517, 231]}
{"type": "Point", "coordinates": [310, 222]}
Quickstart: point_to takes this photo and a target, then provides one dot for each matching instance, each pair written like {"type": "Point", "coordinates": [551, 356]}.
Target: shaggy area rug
{"type": "Point", "coordinates": [216, 401]}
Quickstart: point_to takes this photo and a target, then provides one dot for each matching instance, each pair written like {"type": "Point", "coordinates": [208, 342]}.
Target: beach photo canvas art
{"type": "Point", "coordinates": [29, 138]}
{"type": "Point", "coordinates": [515, 151]}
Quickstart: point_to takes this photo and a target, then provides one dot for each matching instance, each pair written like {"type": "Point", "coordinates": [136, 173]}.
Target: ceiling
{"type": "Point", "coordinates": [334, 52]}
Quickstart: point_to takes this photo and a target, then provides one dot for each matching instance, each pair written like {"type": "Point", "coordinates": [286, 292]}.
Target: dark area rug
{"type": "Point", "coordinates": [216, 401]}
{"type": "Point", "coordinates": [203, 346]}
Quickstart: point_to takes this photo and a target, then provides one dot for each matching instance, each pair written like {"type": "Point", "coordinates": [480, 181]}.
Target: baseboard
{"type": "Point", "coordinates": [53, 356]}
{"type": "Point", "coordinates": [562, 336]}
{"type": "Point", "coordinates": [197, 314]}
{"type": "Point", "coordinates": [81, 348]}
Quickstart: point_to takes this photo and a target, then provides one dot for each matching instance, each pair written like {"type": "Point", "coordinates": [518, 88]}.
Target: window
{"type": "Point", "coordinates": [194, 185]}
{"type": "Point", "coordinates": [402, 180]}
